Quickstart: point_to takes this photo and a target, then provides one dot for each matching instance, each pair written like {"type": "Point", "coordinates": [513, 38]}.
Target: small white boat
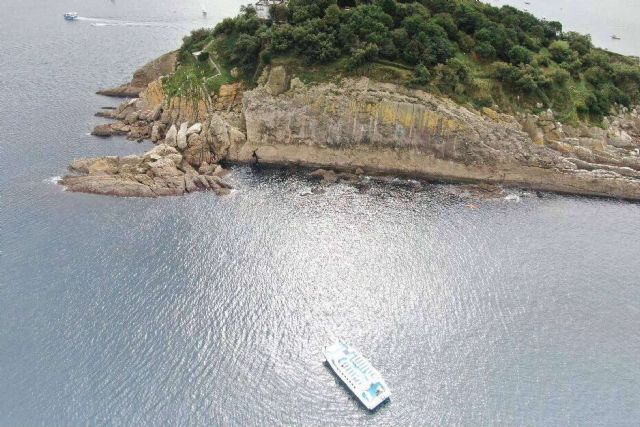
{"type": "Point", "coordinates": [357, 374]}
{"type": "Point", "coordinates": [204, 12]}
{"type": "Point", "coordinates": [71, 16]}
{"type": "Point", "coordinates": [614, 37]}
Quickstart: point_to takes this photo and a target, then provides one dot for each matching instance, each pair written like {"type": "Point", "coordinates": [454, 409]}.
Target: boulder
{"type": "Point", "coordinates": [157, 130]}
{"type": "Point", "coordinates": [530, 126]}
{"type": "Point", "coordinates": [220, 171]}
{"type": "Point", "coordinates": [156, 113]}
{"type": "Point", "coordinates": [175, 158]}
{"type": "Point", "coordinates": [164, 167]}
{"type": "Point", "coordinates": [201, 182]}
{"type": "Point", "coordinates": [278, 81]}
{"type": "Point", "coordinates": [160, 150]}
{"type": "Point", "coordinates": [104, 166]}
{"type": "Point", "coordinates": [132, 117]}
{"type": "Point", "coordinates": [219, 182]}
{"type": "Point", "coordinates": [206, 169]}
{"type": "Point", "coordinates": [171, 138]}
{"type": "Point", "coordinates": [197, 150]}
{"type": "Point", "coordinates": [196, 128]}
{"type": "Point", "coordinates": [82, 165]}
{"type": "Point", "coordinates": [102, 130]}
{"type": "Point", "coordinates": [621, 139]}
{"type": "Point", "coordinates": [189, 186]}
{"type": "Point", "coordinates": [327, 176]}
{"type": "Point", "coordinates": [181, 138]}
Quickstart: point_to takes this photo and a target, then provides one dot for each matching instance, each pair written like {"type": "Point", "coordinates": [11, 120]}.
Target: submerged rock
{"type": "Point", "coordinates": [327, 176]}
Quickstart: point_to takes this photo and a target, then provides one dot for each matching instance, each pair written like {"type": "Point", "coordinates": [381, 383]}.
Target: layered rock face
{"type": "Point", "coordinates": [364, 126]}
{"type": "Point", "coordinates": [389, 129]}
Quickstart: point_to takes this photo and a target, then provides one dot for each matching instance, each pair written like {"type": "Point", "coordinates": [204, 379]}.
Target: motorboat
{"type": "Point", "coordinates": [71, 16]}
{"type": "Point", "coordinates": [357, 373]}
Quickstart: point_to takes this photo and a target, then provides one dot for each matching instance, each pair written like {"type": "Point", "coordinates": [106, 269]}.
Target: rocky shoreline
{"type": "Point", "coordinates": [355, 126]}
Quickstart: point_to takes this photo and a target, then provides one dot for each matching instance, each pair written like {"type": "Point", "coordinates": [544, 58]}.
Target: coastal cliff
{"type": "Point", "coordinates": [359, 124]}
{"type": "Point", "coordinates": [385, 128]}
{"type": "Point", "coordinates": [146, 74]}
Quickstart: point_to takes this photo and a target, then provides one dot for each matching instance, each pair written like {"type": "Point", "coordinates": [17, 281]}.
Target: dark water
{"type": "Point", "coordinates": [203, 310]}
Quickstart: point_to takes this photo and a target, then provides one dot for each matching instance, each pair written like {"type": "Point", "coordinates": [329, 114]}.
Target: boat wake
{"type": "Point", "coordinates": [103, 22]}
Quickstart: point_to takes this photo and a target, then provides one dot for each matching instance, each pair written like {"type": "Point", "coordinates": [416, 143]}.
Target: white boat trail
{"type": "Point", "coordinates": [105, 22]}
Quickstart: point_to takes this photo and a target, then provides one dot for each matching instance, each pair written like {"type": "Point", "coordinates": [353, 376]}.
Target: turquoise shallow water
{"type": "Point", "coordinates": [203, 310]}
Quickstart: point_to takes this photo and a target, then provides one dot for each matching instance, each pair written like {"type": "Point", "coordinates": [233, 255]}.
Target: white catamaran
{"type": "Point", "coordinates": [358, 374]}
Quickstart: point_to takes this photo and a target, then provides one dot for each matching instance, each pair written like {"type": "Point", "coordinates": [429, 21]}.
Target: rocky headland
{"type": "Point", "coordinates": [355, 125]}
{"type": "Point", "coordinates": [151, 71]}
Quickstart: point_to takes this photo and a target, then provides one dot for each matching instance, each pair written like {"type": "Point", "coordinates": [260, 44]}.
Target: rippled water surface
{"type": "Point", "coordinates": [203, 310]}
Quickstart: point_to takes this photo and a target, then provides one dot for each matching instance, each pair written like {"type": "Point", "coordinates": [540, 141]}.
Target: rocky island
{"type": "Point", "coordinates": [441, 90]}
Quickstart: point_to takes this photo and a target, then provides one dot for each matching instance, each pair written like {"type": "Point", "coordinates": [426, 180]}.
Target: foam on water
{"type": "Point", "coordinates": [53, 180]}
{"type": "Point", "coordinates": [103, 22]}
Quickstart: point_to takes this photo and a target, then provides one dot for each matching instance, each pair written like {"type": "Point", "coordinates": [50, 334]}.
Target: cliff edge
{"type": "Point", "coordinates": [379, 128]}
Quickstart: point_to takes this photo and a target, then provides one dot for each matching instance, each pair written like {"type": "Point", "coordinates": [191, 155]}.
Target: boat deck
{"type": "Point", "coordinates": [358, 374]}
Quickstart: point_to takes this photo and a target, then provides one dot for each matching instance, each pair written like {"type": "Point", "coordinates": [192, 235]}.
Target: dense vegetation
{"type": "Point", "coordinates": [470, 51]}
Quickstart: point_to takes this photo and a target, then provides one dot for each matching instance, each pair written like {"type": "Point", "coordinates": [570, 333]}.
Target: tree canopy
{"type": "Point", "coordinates": [528, 58]}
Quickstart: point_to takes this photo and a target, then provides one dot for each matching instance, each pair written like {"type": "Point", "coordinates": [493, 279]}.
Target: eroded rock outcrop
{"type": "Point", "coordinates": [160, 171]}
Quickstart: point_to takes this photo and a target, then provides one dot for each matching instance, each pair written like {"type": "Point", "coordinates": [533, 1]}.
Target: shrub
{"type": "Point", "coordinates": [578, 42]}
{"type": "Point", "coordinates": [485, 50]}
{"type": "Point", "coordinates": [265, 57]}
{"type": "Point", "coordinates": [596, 76]}
{"type": "Point", "coordinates": [362, 55]}
{"type": "Point", "coordinates": [226, 26]}
{"type": "Point", "coordinates": [520, 55]}
{"type": "Point", "coordinates": [543, 59]}
{"type": "Point", "coordinates": [245, 50]}
{"type": "Point", "coordinates": [282, 38]}
{"type": "Point", "coordinates": [559, 76]}
{"type": "Point", "coordinates": [422, 75]}
{"type": "Point", "coordinates": [452, 75]}
{"type": "Point", "coordinates": [560, 51]}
